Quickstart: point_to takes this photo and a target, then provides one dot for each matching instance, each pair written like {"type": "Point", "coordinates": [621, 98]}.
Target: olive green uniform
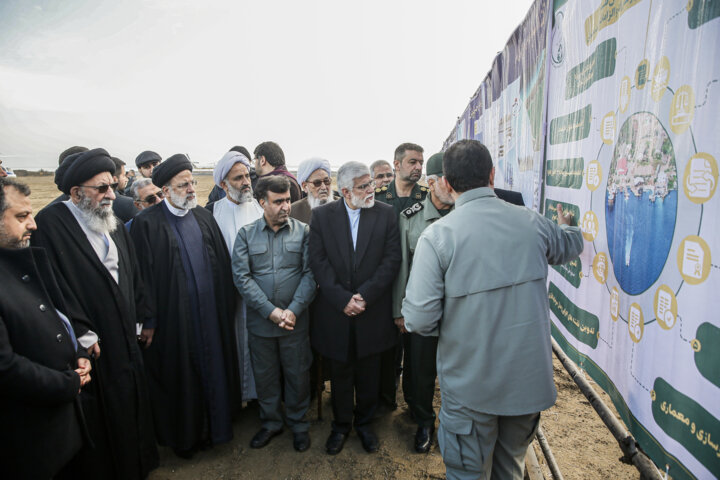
{"type": "Point", "coordinates": [388, 194]}
{"type": "Point", "coordinates": [391, 360]}
{"type": "Point", "coordinates": [419, 363]}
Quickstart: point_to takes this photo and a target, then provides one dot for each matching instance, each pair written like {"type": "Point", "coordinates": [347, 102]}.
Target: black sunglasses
{"type": "Point", "coordinates": [101, 188]}
{"type": "Point", "coordinates": [317, 183]}
{"type": "Point", "coordinates": [153, 197]}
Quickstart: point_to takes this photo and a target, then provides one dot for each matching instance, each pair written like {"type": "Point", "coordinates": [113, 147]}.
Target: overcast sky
{"type": "Point", "coordinates": [329, 78]}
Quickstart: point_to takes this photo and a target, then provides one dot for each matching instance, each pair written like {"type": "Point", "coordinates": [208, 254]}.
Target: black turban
{"type": "Point", "coordinates": [146, 157]}
{"type": "Point", "coordinates": [84, 167]}
{"type": "Point", "coordinates": [60, 171]}
{"type": "Point", "coordinates": [164, 172]}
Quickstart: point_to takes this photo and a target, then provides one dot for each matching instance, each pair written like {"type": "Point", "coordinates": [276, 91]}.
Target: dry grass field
{"type": "Point", "coordinates": [581, 444]}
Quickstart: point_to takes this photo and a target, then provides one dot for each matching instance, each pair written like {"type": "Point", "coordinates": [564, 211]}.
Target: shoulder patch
{"type": "Point", "coordinates": [412, 210]}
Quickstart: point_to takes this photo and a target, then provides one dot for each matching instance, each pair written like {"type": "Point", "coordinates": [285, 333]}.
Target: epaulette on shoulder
{"type": "Point", "coordinates": [412, 210]}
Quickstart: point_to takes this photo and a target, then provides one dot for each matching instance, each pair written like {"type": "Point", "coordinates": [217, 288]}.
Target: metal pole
{"type": "Point", "coordinates": [627, 443]}
{"type": "Point", "coordinates": [545, 447]}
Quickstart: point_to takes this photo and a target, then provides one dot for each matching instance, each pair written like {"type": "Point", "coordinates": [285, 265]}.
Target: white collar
{"type": "Point", "coordinates": [178, 212]}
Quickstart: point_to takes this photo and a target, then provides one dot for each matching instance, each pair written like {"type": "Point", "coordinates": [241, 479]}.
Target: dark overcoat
{"type": "Point", "coordinates": [116, 403]}
{"type": "Point", "coordinates": [341, 272]}
{"type": "Point", "coordinates": [40, 416]}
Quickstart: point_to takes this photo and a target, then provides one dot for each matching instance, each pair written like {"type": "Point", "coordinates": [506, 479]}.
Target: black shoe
{"type": "Point", "coordinates": [263, 437]}
{"type": "Point", "coordinates": [301, 441]}
{"type": "Point", "coordinates": [185, 454]}
{"type": "Point", "coordinates": [369, 440]}
{"type": "Point", "coordinates": [335, 442]}
{"type": "Point", "coordinates": [423, 439]}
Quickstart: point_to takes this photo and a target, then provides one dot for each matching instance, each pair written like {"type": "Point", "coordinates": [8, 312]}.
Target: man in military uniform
{"type": "Point", "coordinates": [419, 359]}
{"type": "Point", "coordinates": [402, 193]}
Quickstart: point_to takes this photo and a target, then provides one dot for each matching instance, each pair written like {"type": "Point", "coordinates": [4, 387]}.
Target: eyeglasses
{"type": "Point", "coordinates": [153, 197]}
{"type": "Point", "coordinates": [380, 176]}
{"type": "Point", "coordinates": [317, 183]}
{"type": "Point", "coordinates": [184, 186]}
{"type": "Point", "coordinates": [365, 186]}
{"type": "Point", "coordinates": [101, 188]}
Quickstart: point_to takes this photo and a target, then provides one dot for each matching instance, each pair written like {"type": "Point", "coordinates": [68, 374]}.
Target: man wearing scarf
{"type": "Point", "coordinates": [237, 209]}
{"type": "Point", "coordinates": [270, 160]}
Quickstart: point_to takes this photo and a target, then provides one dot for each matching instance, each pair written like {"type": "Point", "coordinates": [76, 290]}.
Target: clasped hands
{"type": "Point", "coordinates": [355, 306]}
{"type": "Point", "coordinates": [83, 370]}
{"type": "Point", "coordinates": [283, 318]}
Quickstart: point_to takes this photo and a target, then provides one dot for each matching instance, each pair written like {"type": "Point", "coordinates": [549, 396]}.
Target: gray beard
{"type": "Point", "coordinates": [359, 202]}
{"type": "Point", "coordinates": [182, 202]}
{"type": "Point", "coordinates": [316, 202]}
{"type": "Point", "coordinates": [238, 196]}
{"type": "Point", "coordinates": [100, 219]}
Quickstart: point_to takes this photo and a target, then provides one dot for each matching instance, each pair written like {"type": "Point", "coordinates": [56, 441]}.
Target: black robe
{"type": "Point", "coordinates": [176, 383]}
{"type": "Point", "coordinates": [116, 402]}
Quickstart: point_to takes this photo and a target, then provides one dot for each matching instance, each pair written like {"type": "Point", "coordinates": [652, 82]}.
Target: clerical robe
{"type": "Point", "coordinates": [115, 402]}
{"type": "Point", "coordinates": [230, 217]}
{"type": "Point", "coordinates": [192, 361]}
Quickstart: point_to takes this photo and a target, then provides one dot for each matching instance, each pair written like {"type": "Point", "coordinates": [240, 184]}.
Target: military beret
{"type": "Point", "coordinates": [164, 172]}
{"type": "Point", "coordinates": [146, 157]}
{"type": "Point", "coordinates": [84, 167]}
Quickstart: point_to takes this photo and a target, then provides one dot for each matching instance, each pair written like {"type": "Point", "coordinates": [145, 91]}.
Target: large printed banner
{"type": "Point", "coordinates": [632, 147]}
{"type": "Point", "coordinates": [630, 94]}
{"type": "Point", "coordinates": [507, 111]}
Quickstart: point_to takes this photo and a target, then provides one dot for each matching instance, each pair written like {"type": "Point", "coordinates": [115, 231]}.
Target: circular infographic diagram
{"type": "Point", "coordinates": [641, 202]}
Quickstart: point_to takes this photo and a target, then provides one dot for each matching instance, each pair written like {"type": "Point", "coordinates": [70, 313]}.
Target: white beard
{"type": "Point", "coordinates": [362, 202]}
{"type": "Point", "coordinates": [183, 202]}
{"type": "Point", "coordinates": [316, 202]}
{"type": "Point", "coordinates": [100, 219]}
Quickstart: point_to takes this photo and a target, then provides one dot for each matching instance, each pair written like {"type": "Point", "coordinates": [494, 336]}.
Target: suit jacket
{"type": "Point", "coordinates": [341, 272]}
{"type": "Point", "coordinates": [124, 208]}
{"type": "Point", "coordinates": [510, 196]}
{"type": "Point", "coordinates": [40, 416]}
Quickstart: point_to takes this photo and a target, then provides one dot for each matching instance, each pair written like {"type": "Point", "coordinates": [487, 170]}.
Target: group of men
{"type": "Point", "coordinates": [116, 337]}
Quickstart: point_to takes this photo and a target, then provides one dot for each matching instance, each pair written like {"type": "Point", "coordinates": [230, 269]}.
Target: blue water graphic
{"type": "Point", "coordinates": [639, 234]}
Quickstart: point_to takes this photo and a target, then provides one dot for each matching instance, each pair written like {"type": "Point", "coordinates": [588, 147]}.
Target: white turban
{"type": "Point", "coordinates": [226, 163]}
{"type": "Point", "coordinates": [307, 167]}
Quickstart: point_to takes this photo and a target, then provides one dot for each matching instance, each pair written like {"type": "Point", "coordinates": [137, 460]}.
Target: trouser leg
{"type": "Point", "coordinates": [342, 394]}
{"type": "Point", "coordinates": [388, 386]}
{"type": "Point", "coordinates": [422, 371]}
{"type": "Point", "coordinates": [367, 373]}
{"type": "Point", "coordinates": [515, 433]}
{"type": "Point", "coordinates": [466, 440]}
{"type": "Point", "coordinates": [407, 379]}
{"type": "Point", "coordinates": [295, 357]}
{"type": "Point", "coordinates": [266, 370]}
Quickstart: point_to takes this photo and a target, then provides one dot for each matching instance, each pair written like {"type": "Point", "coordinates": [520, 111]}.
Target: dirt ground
{"type": "Point", "coordinates": [582, 445]}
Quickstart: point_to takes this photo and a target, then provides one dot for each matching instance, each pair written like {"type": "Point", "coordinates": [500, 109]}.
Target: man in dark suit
{"type": "Point", "coordinates": [123, 206]}
{"type": "Point", "coordinates": [41, 366]}
{"type": "Point", "coordinates": [354, 256]}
